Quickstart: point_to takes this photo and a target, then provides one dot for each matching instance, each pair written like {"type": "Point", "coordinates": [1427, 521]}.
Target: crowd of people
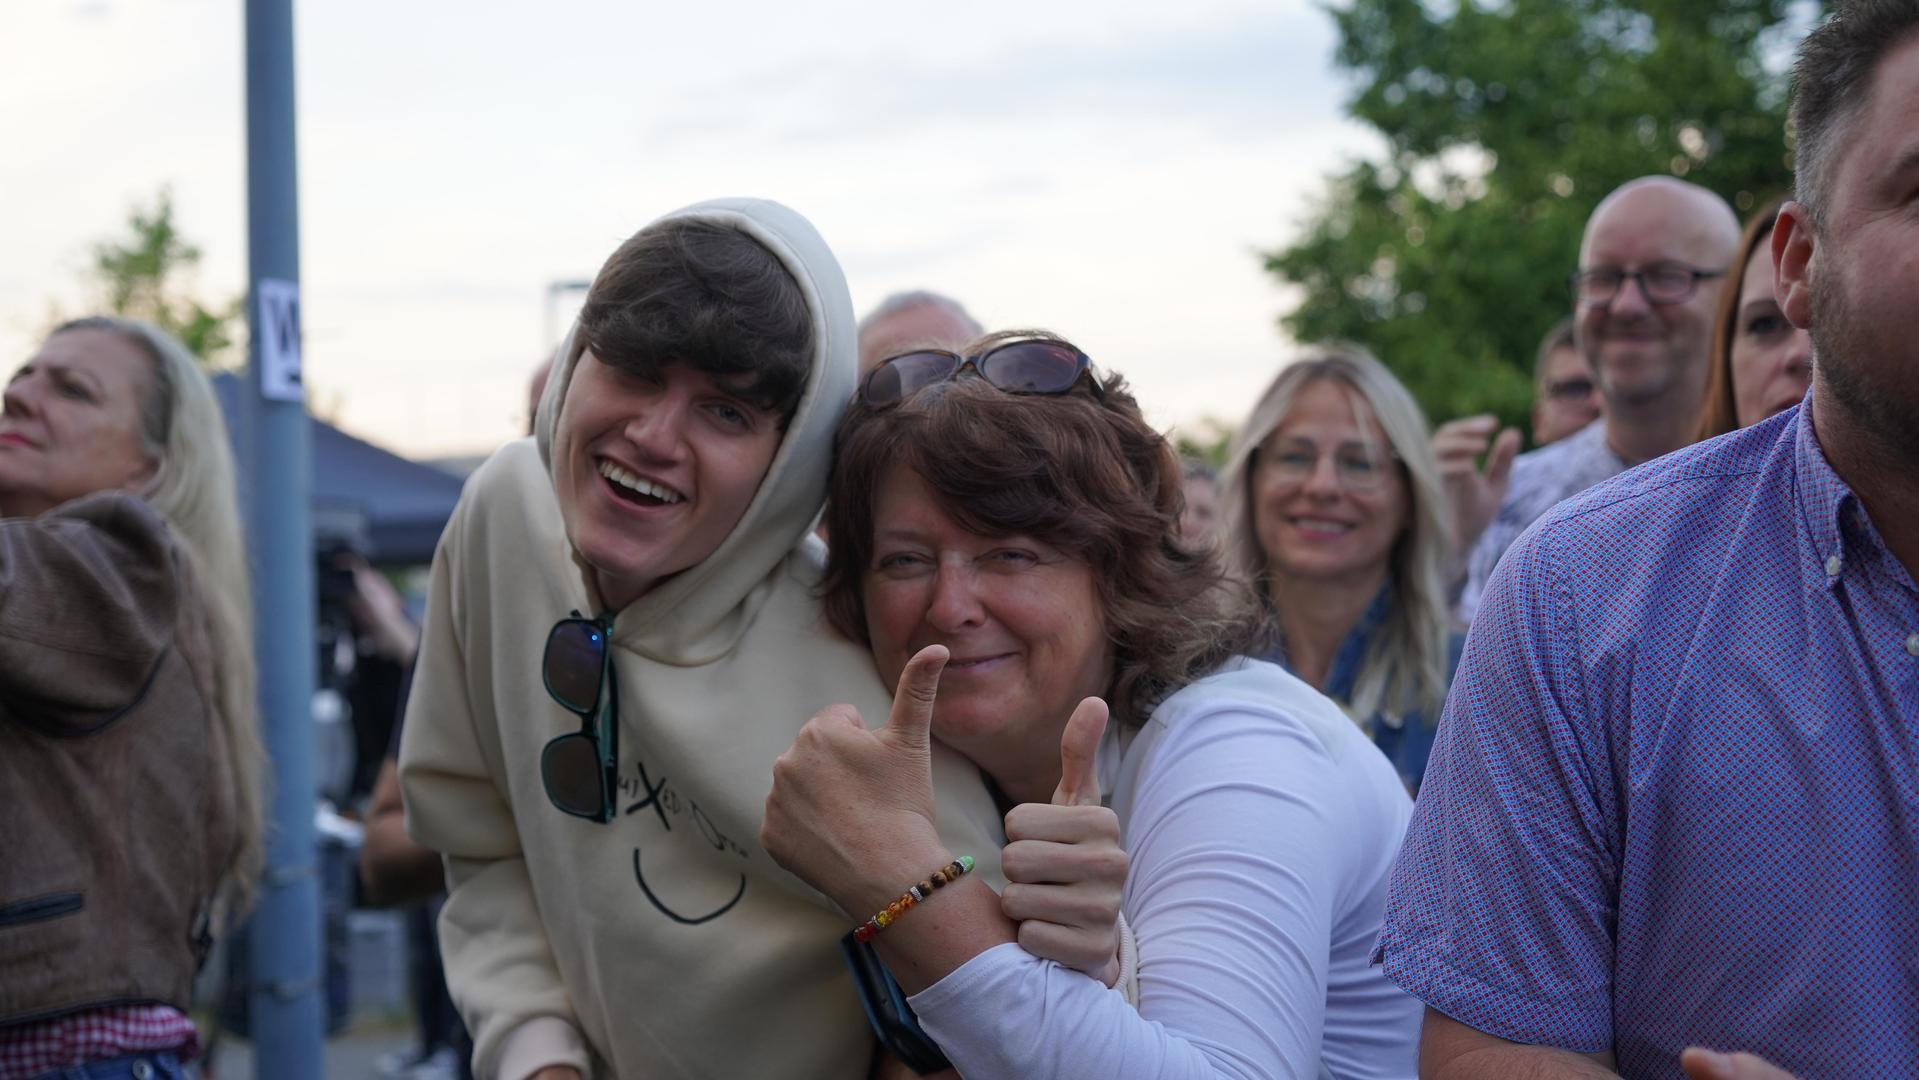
{"type": "Point", "coordinates": [1379, 751]}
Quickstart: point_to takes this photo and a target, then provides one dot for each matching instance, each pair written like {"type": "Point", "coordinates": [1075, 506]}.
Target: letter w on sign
{"type": "Point", "coordinates": [278, 340]}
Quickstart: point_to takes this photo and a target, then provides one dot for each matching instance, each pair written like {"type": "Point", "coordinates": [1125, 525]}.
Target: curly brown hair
{"type": "Point", "coordinates": [1081, 471]}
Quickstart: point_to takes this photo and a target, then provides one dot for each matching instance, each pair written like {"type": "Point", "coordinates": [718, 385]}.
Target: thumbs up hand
{"type": "Point", "coordinates": [1078, 754]}
{"type": "Point", "coordinates": [1063, 861]}
{"type": "Point", "coordinates": [851, 811]}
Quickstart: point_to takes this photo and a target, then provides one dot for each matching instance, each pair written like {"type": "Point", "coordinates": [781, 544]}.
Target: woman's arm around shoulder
{"type": "Point", "coordinates": [1241, 822]}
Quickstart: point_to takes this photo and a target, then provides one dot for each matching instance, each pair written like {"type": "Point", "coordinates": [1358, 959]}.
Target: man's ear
{"type": "Point", "coordinates": [1795, 250]}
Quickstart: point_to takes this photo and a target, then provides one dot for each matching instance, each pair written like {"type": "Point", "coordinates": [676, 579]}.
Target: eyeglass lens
{"type": "Point", "coordinates": [903, 375]}
{"type": "Point", "coordinates": [570, 768]}
{"type": "Point", "coordinates": [1357, 466]}
{"type": "Point", "coordinates": [575, 658]}
{"type": "Point", "coordinates": [1663, 283]}
{"type": "Point", "coordinates": [1022, 367]}
{"type": "Point", "coordinates": [1031, 367]}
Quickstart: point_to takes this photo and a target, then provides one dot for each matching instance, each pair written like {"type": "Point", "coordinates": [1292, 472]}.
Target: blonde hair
{"type": "Point", "coordinates": [194, 489]}
{"type": "Point", "coordinates": [1404, 670]}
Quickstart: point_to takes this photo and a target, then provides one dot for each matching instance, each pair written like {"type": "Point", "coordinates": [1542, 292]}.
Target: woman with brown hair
{"type": "Point", "coordinates": [1761, 364]}
{"type": "Point", "coordinates": [1006, 541]}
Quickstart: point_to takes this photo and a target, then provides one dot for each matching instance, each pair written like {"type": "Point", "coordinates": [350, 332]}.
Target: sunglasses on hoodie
{"type": "Point", "coordinates": [1017, 367]}
{"type": "Point", "coordinates": [581, 769]}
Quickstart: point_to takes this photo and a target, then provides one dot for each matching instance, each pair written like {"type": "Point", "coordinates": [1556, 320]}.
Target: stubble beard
{"type": "Point", "coordinates": [1874, 382]}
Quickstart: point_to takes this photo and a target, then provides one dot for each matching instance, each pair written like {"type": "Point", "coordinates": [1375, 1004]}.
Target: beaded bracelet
{"type": "Point", "coordinates": [950, 872]}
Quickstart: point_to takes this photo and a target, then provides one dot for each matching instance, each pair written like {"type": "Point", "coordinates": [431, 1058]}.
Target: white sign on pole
{"type": "Point", "coordinates": [279, 330]}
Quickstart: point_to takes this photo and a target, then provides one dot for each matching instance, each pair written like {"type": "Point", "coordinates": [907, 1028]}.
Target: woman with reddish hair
{"type": "Point", "coordinates": [1006, 541]}
{"type": "Point", "coordinates": [1761, 364]}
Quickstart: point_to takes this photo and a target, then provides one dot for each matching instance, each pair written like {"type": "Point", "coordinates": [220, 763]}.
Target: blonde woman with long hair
{"type": "Point", "coordinates": [1331, 509]}
{"type": "Point", "coordinates": [130, 757]}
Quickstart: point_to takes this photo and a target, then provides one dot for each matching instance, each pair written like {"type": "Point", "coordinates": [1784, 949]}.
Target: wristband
{"type": "Point", "coordinates": [913, 895]}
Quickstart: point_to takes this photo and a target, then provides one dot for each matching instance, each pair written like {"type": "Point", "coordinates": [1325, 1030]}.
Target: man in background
{"type": "Point", "coordinates": [910, 320]}
{"type": "Point", "coordinates": [1642, 319]}
{"type": "Point", "coordinates": [1565, 397]}
{"type": "Point", "coordinates": [1565, 400]}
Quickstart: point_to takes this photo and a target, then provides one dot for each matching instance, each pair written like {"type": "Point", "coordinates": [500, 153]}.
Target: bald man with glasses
{"type": "Point", "coordinates": [1642, 320]}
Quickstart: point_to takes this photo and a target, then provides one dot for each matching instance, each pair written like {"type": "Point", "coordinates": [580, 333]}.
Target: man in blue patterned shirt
{"type": "Point", "coordinates": [1675, 796]}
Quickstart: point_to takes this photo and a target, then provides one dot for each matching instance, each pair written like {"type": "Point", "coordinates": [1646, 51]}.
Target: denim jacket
{"type": "Point", "coordinates": [1405, 740]}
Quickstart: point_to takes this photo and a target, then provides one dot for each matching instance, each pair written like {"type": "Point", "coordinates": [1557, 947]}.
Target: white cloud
{"type": "Point", "coordinates": [1103, 172]}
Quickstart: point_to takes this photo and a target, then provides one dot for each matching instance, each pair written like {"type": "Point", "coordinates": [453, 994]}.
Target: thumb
{"type": "Point", "coordinates": [1499, 461]}
{"type": "Point", "coordinates": [912, 715]}
{"type": "Point", "coordinates": [1078, 748]}
{"type": "Point", "coordinates": [1703, 1064]}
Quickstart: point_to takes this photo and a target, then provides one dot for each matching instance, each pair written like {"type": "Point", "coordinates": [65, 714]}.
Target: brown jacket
{"type": "Point", "coordinates": [114, 824]}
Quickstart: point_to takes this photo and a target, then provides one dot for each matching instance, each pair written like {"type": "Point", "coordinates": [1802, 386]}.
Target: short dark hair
{"type": "Point", "coordinates": [711, 297]}
{"type": "Point", "coordinates": [1832, 78]}
{"type": "Point", "coordinates": [1082, 471]}
{"type": "Point", "coordinates": [1557, 338]}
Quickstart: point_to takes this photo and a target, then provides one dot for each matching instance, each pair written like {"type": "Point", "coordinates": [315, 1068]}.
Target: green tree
{"type": "Point", "coordinates": [1206, 441]}
{"type": "Point", "coordinates": [1506, 121]}
{"type": "Point", "coordinates": [146, 275]}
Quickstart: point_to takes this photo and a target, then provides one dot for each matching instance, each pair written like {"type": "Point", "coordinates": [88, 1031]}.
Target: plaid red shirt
{"type": "Point", "coordinates": [95, 1035]}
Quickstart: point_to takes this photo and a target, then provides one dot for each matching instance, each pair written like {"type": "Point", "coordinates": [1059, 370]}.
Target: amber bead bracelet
{"type": "Point", "coordinates": [950, 872]}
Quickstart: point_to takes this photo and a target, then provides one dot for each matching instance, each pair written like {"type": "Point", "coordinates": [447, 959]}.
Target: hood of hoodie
{"type": "Point", "coordinates": [697, 615]}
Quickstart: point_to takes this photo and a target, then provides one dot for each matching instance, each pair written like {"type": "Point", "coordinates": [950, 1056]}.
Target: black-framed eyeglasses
{"type": "Point", "coordinates": [1661, 282]}
{"type": "Point", "coordinates": [1017, 367]}
{"type": "Point", "coordinates": [581, 769]}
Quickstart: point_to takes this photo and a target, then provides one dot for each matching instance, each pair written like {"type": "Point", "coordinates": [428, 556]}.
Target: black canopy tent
{"type": "Point", "coordinates": [388, 508]}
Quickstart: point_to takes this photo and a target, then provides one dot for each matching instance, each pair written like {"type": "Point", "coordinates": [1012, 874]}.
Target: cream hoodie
{"type": "Point", "coordinates": [665, 943]}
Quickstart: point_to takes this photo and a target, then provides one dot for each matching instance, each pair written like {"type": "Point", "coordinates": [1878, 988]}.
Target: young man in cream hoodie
{"type": "Point", "coordinates": [681, 453]}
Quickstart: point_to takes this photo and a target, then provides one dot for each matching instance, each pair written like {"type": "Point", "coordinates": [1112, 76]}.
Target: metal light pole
{"type": "Point", "coordinates": [284, 955]}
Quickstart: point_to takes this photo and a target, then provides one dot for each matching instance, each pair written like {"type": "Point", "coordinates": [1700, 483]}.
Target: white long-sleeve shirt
{"type": "Point", "coordinates": [1261, 824]}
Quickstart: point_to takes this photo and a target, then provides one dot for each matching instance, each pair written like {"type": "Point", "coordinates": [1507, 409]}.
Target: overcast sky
{"type": "Point", "coordinates": [1106, 171]}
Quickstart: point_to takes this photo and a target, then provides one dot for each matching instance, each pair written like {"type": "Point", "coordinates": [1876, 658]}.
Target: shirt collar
{"type": "Point", "coordinates": [1831, 510]}
{"type": "Point", "coordinates": [1352, 651]}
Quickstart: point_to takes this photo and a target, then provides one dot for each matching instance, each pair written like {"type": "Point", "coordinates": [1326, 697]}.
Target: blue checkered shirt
{"type": "Point", "coordinates": [1540, 480]}
{"type": "Point", "coordinates": [1675, 793]}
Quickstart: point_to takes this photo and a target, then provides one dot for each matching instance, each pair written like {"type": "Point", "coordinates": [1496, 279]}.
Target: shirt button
{"type": "Point", "coordinates": [1912, 645]}
{"type": "Point", "coordinates": [1832, 566]}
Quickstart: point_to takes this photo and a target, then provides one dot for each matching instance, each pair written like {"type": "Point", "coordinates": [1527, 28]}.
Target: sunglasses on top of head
{"type": "Point", "coordinates": [1017, 367]}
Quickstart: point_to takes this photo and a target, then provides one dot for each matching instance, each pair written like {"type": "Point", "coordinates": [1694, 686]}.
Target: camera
{"type": "Point", "coordinates": [333, 575]}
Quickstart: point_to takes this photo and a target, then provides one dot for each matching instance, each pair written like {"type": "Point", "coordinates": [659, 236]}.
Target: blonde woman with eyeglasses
{"type": "Point", "coordinates": [1331, 508]}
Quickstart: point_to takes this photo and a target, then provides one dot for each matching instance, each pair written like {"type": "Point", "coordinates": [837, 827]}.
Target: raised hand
{"type": "Point", "coordinates": [1475, 495]}
{"type": "Point", "coordinates": [1063, 861]}
{"type": "Point", "coordinates": [1703, 1064]}
{"type": "Point", "coordinates": [851, 811]}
